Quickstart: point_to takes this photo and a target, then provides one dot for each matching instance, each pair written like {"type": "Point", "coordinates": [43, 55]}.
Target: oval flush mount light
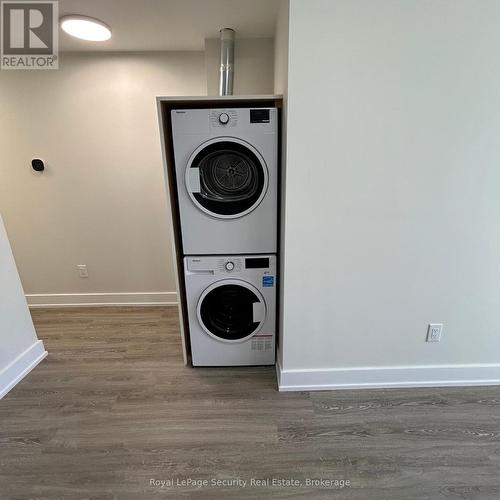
{"type": "Point", "coordinates": [86, 28]}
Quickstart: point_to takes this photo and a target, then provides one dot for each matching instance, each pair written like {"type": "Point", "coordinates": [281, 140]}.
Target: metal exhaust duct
{"type": "Point", "coordinates": [226, 61]}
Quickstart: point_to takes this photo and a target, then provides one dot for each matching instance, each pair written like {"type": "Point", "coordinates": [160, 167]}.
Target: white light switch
{"type": "Point", "coordinates": [434, 332]}
{"type": "Point", "coordinates": [83, 272]}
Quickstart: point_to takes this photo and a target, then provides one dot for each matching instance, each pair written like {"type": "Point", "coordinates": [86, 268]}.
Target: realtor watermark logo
{"type": "Point", "coordinates": [29, 35]}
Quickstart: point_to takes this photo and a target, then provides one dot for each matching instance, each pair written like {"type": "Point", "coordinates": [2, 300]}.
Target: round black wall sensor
{"type": "Point", "coordinates": [38, 165]}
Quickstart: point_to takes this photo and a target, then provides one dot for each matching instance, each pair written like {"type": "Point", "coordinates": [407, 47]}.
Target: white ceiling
{"type": "Point", "coordinates": [139, 25]}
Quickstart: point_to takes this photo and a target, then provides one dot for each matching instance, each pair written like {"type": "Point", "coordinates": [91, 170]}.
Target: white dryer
{"type": "Point", "coordinates": [231, 303]}
{"type": "Point", "coordinates": [226, 166]}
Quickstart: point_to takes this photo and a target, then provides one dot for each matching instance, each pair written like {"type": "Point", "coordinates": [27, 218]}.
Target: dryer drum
{"type": "Point", "coordinates": [231, 178]}
{"type": "Point", "coordinates": [227, 312]}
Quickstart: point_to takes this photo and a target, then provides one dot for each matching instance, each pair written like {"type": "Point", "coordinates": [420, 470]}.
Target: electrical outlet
{"type": "Point", "coordinates": [434, 332]}
{"type": "Point", "coordinates": [83, 272]}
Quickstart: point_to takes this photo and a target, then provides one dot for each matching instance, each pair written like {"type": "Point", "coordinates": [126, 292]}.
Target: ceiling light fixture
{"type": "Point", "coordinates": [86, 28]}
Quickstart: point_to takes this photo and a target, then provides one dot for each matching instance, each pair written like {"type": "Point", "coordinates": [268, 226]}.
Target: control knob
{"type": "Point", "coordinates": [224, 118]}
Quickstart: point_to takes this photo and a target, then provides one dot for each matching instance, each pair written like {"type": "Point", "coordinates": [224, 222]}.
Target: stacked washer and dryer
{"type": "Point", "coordinates": [226, 171]}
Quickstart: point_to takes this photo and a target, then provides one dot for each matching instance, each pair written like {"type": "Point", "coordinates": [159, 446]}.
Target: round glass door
{"type": "Point", "coordinates": [231, 310]}
{"type": "Point", "coordinates": [226, 178]}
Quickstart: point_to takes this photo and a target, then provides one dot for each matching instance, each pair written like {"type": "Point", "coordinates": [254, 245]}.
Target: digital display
{"type": "Point", "coordinates": [259, 116]}
{"type": "Point", "coordinates": [257, 263]}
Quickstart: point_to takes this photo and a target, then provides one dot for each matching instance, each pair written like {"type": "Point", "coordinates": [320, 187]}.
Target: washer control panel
{"type": "Point", "coordinates": [255, 267]}
{"type": "Point", "coordinates": [230, 265]}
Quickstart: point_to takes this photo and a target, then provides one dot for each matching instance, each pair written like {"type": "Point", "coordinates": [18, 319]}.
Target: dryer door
{"type": "Point", "coordinates": [226, 177]}
{"type": "Point", "coordinates": [231, 310]}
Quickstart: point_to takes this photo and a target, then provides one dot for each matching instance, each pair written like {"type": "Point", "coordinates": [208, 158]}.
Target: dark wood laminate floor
{"type": "Point", "coordinates": [112, 407]}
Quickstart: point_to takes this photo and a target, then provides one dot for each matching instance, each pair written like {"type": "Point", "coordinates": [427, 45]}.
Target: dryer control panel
{"type": "Point", "coordinates": [247, 118]}
{"type": "Point", "coordinates": [225, 118]}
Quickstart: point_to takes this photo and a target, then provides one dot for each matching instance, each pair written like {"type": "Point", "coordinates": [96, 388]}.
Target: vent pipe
{"type": "Point", "coordinates": [226, 61]}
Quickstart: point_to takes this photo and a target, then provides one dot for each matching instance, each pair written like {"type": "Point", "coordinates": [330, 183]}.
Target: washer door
{"type": "Point", "coordinates": [231, 310]}
{"type": "Point", "coordinates": [226, 177]}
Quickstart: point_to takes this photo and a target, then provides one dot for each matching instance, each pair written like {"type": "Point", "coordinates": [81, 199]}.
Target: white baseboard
{"type": "Point", "coordinates": [102, 299]}
{"type": "Point", "coordinates": [397, 376]}
{"type": "Point", "coordinates": [13, 373]}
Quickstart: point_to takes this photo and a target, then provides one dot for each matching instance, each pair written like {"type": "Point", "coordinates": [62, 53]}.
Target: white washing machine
{"type": "Point", "coordinates": [231, 303]}
{"type": "Point", "coordinates": [226, 165]}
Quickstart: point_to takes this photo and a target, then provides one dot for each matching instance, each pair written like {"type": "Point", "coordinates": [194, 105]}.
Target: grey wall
{"type": "Point", "coordinates": [392, 202]}
{"type": "Point", "coordinates": [281, 88]}
{"type": "Point", "coordinates": [20, 350]}
{"type": "Point", "coordinates": [102, 200]}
